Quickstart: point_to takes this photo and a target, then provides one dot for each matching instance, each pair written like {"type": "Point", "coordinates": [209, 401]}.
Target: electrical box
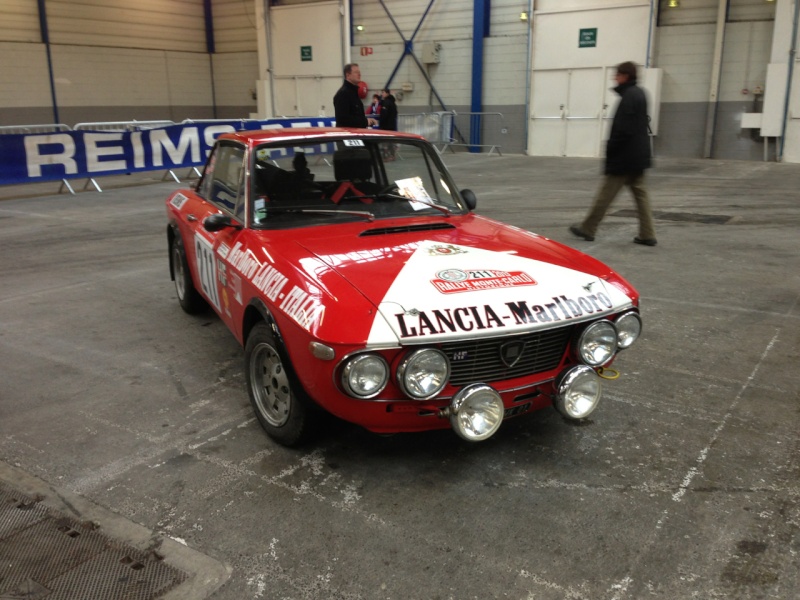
{"type": "Point", "coordinates": [430, 53]}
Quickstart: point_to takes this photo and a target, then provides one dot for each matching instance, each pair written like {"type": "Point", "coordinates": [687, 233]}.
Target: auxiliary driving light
{"type": "Point", "coordinates": [476, 412]}
{"type": "Point", "coordinates": [578, 391]}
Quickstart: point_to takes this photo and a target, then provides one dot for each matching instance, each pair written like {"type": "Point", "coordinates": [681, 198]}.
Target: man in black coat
{"type": "Point", "coordinates": [347, 105]}
{"type": "Point", "coordinates": [627, 156]}
{"type": "Point", "coordinates": [388, 112]}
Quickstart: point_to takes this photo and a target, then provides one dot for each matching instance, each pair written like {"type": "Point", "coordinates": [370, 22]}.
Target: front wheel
{"type": "Point", "coordinates": [282, 408]}
{"type": "Point", "coordinates": [188, 297]}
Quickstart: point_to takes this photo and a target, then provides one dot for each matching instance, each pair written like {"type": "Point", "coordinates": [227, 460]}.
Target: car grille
{"type": "Point", "coordinates": [482, 359]}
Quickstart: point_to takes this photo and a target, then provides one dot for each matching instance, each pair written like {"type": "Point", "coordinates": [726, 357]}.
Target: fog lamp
{"type": "Point", "coordinates": [578, 391]}
{"type": "Point", "coordinates": [476, 412]}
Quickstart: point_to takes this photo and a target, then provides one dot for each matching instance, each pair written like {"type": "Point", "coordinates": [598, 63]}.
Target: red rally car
{"type": "Point", "coordinates": [360, 282]}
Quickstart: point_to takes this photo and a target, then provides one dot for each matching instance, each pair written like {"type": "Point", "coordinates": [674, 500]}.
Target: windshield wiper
{"type": "Point", "coordinates": [325, 211]}
{"type": "Point", "coordinates": [443, 209]}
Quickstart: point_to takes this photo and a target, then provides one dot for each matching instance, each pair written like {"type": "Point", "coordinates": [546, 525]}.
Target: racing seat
{"type": "Point", "coordinates": [352, 167]}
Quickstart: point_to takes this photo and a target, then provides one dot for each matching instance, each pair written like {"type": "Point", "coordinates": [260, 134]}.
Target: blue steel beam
{"type": "Point", "coordinates": [408, 50]}
{"type": "Point", "coordinates": [45, 33]}
{"type": "Point", "coordinates": [480, 28]}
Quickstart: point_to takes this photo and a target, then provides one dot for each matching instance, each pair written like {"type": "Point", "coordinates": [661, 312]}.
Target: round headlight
{"type": "Point", "coordinates": [629, 327]}
{"type": "Point", "coordinates": [578, 390]}
{"type": "Point", "coordinates": [476, 412]}
{"type": "Point", "coordinates": [365, 375]}
{"type": "Point", "coordinates": [598, 343]}
{"type": "Point", "coordinates": [423, 373]}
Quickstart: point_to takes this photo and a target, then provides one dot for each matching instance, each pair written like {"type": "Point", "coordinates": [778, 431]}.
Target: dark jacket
{"type": "Point", "coordinates": [348, 108]}
{"type": "Point", "coordinates": [628, 148]}
{"type": "Point", "coordinates": [388, 114]}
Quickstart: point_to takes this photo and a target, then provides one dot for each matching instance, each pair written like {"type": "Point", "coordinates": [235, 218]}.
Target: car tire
{"type": "Point", "coordinates": [188, 297]}
{"type": "Point", "coordinates": [282, 407]}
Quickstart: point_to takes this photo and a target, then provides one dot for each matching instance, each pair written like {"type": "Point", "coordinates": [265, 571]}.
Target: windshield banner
{"type": "Point", "coordinates": [32, 158]}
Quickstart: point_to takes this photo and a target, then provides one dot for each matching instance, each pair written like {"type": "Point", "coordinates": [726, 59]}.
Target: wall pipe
{"type": "Point", "coordinates": [268, 35]}
{"type": "Point", "coordinates": [789, 77]}
{"type": "Point", "coordinates": [45, 33]}
{"type": "Point", "coordinates": [716, 74]}
{"type": "Point", "coordinates": [528, 74]}
{"type": "Point", "coordinates": [479, 13]}
{"type": "Point", "coordinates": [210, 49]}
{"type": "Point", "coordinates": [648, 58]}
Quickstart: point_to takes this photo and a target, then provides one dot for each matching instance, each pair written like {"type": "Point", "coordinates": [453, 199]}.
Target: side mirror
{"type": "Point", "coordinates": [469, 198]}
{"type": "Point", "coordinates": [218, 222]}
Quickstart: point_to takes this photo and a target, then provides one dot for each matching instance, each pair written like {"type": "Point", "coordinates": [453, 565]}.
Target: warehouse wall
{"type": "Point", "coordinates": [115, 60]}
{"type": "Point", "coordinates": [450, 25]}
{"type": "Point", "coordinates": [685, 52]}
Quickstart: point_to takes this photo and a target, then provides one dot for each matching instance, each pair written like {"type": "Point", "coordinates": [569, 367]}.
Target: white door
{"type": "Point", "coordinates": [308, 53]}
{"type": "Point", "coordinates": [568, 110]}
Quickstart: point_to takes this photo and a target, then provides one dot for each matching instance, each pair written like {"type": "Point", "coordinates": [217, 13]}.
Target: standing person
{"type": "Point", "coordinates": [375, 108]}
{"type": "Point", "coordinates": [388, 112]}
{"type": "Point", "coordinates": [627, 156]}
{"type": "Point", "coordinates": [347, 105]}
{"type": "Point", "coordinates": [388, 121]}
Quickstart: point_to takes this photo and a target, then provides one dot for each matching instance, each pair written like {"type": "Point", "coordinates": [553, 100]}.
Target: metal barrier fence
{"type": "Point", "coordinates": [43, 128]}
{"type": "Point", "coordinates": [436, 127]}
{"type": "Point", "coordinates": [122, 125]}
{"type": "Point", "coordinates": [488, 128]}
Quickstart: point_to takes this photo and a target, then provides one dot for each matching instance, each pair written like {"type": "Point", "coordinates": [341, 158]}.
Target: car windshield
{"type": "Point", "coordinates": [348, 179]}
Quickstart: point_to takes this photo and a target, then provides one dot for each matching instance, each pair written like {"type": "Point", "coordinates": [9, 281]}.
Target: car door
{"type": "Point", "coordinates": [223, 190]}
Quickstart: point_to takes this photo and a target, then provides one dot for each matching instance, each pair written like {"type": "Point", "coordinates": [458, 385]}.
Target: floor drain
{"type": "Point", "coordinates": [45, 554]}
{"type": "Point", "coordinates": [678, 216]}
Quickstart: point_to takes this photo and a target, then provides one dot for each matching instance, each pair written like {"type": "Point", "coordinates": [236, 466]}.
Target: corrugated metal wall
{"type": "Point", "coordinates": [685, 52]}
{"type": "Point", "coordinates": [450, 25]}
{"type": "Point", "coordinates": [153, 64]}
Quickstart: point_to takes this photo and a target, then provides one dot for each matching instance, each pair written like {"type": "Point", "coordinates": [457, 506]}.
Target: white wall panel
{"type": "Point", "coordinates": [19, 21]}
{"type": "Point", "coordinates": [449, 23]}
{"type": "Point", "coordinates": [235, 74]}
{"type": "Point", "coordinates": [188, 78]}
{"type": "Point", "coordinates": [129, 77]}
{"type": "Point", "coordinates": [23, 75]}
{"type": "Point", "coordinates": [622, 34]}
{"type": "Point", "coordinates": [234, 25]}
{"type": "Point", "coordinates": [148, 24]}
{"type": "Point", "coordinates": [685, 55]}
{"type": "Point", "coordinates": [689, 12]}
{"type": "Point", "coordinates": [745, 58]}
{"type": "Point", "coordinates": [504, 77]}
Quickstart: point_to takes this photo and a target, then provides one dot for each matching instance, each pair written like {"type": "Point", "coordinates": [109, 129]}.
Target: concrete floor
{"type": "Point", "coordinates": [684, 484]}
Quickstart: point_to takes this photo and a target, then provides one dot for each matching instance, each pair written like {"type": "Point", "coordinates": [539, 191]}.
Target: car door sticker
{"type": "Point", "coordinates": [207, 269]}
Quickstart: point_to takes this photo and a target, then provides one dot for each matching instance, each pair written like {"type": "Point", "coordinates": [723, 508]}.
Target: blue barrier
{"type": "Point", "coordinates": [34, 158]}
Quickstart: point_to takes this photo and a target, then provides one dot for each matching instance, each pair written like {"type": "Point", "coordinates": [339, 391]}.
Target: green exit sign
{"type": "Point", "coordinates": [305, 53]}
{"type": "Point", "coordinates": [587, 38]}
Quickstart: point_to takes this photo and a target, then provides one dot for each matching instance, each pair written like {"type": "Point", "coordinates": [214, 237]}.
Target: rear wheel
{"type": "Point", "coordinates": [282, 408]}
{"type": "Point", "coordinates": [188, 297]}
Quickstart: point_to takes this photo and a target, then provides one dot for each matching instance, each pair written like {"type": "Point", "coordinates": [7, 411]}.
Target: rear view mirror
{"type": "Point", "coordinates": [469, 198]}
{"type": "Point", "coordinates": [218, 222]}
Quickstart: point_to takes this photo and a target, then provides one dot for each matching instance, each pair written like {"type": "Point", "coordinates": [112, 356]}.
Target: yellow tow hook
{"type": "Point", "coordinates": [608, 373]}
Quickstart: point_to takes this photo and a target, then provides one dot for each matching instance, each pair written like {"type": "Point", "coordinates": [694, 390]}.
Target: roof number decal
{"type": "Point", "coordinates": [356, 143]}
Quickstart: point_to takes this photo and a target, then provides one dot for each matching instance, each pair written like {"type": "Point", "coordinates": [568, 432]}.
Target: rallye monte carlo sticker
{"type": "Point", "coordinates": [451, 281]}
{"type": "Point", "coordinates": [413, 313]}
